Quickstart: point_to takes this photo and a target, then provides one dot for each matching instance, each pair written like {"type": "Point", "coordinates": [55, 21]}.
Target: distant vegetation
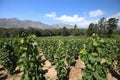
{"type": "Point", "coordinates": [13, 32]}
{"type": "Point", "coordinates": [104, 28]}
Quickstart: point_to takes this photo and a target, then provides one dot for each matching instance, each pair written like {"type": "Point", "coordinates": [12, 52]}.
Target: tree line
{"type": "Point", "coordinates": [13, 32]}
{"type": "Point", "coordinates": [104, 28]}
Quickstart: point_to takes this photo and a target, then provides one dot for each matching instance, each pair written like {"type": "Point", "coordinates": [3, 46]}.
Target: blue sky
{"type": "Point", "coordinates": [80, 12]}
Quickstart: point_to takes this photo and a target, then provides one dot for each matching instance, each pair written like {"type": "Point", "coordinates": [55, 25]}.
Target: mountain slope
{"type": "Point", "coordinates": [14, 22]}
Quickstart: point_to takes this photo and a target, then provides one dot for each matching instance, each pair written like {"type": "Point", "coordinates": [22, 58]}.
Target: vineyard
{"type": "Point", "coordinates": [100, 56]}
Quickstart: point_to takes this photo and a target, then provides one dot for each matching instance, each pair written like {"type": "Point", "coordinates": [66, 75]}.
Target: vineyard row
{"type": "Point", "coordinates": [99, 55]}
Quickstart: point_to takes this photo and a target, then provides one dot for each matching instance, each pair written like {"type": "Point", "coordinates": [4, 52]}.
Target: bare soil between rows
{"type": "Point", "coordinates": [74, 74]}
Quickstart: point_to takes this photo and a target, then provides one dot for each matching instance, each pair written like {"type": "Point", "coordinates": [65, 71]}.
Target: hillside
{"type": "Point", "coordinates": [14, 22]}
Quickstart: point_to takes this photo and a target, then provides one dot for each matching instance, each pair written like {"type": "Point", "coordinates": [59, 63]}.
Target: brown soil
{"type": "Point", "coordinates": [74, 74]}
{"type": "Point", "coordinates": [4, 76]}
{"type": "Point", "coordinates": [110, 77]}
{"type": "Point", "coordinates": [52, 73]}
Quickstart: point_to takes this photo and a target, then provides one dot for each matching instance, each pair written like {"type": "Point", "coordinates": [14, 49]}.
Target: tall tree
{"type": "Point", "coordinates": [112, 24]}
{"type": "Point", "coordinates": [65, 31]}
{"type": "Point", "coordinates": [91, 29]}
{"type": "Point", "coordinates": [75, 30]}
{"type": "Point", "coordinates": [102, 26]}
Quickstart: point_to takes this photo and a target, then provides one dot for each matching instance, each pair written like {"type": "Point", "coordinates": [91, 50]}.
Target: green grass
{"type": "Point", "coordinates": [70, 37]}
{"type": "Point", "coordinates": [114, 37]}
{"type": "Point", "coordinates": [81, 38]}
{"type": "Point", "coordinates": [65, 37]}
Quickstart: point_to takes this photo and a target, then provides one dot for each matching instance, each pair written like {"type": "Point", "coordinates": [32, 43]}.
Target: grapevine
{"type": "Point", "coordinates": [30, 61]}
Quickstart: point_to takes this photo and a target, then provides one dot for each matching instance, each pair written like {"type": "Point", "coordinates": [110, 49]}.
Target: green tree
{"type": "Point", "coordinates": [102, 26]}
{"type": "Point", "coordinates": [65, 31]}
{"type": "Point", "coordinates": [75, 30]}
{"type": "Point", "coordinates": [112, 24]}
{"type": "Point", "coordinates": [91, 29]}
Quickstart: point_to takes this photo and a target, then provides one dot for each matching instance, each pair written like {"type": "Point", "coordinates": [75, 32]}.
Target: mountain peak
{"type": "Point", "coordinates": [14, 22]}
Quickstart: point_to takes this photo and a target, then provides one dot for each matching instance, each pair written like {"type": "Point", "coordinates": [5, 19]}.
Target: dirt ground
{"type": "Point", "coordinates": [74, 74]}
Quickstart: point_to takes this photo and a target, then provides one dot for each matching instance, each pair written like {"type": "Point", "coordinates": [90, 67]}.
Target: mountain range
{"type": "Point", "coordinates": [14, 22]}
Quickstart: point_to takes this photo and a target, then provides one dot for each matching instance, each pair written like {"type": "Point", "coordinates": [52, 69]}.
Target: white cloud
{"type": "Point", "coordinates": [82, 22]}
{"type": "Point", "coordinates": [51, 15]}
{"type": "Point", "coordinates": [74, 18]}
{"type": "Point", "coordinates": [117, 15]}
{"type": "Point", "coordinates": [86, 23]}
{"type": "Point", "coordinates": [96, 13]}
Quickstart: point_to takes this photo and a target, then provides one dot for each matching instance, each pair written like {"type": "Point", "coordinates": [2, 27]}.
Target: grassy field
{"type": "Point", "coordinates": [70, 37]}
{"type": "Point", "coordinates": [65, 37]}
{"type": "Point", "coordinates": [76, 37]}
